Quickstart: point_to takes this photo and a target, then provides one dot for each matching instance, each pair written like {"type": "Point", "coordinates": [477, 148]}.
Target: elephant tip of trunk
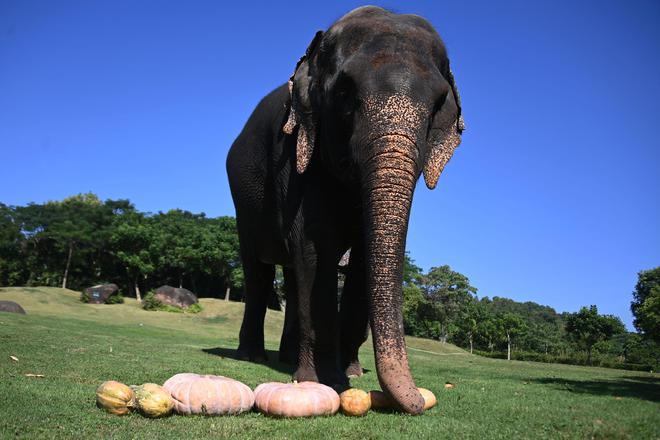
{"type": "Point", "coordinates": [409, 401]}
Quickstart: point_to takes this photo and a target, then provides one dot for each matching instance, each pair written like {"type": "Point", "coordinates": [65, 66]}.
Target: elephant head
{"type": "Point", "coordinates": [375, 103]}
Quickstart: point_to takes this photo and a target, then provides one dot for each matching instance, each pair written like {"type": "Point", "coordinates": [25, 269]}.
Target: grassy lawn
{"type": "Point", "coordinates": [77, 346]}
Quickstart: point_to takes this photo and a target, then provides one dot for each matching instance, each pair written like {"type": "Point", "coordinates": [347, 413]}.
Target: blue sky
{"type": "Point", "coordinates": [553, 197]}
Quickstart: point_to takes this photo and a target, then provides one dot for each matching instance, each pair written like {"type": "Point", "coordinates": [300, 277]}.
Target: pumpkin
{"type": "Point", "coordinates": [354, 402]}
{"type": "Point", "coordinates": [429, 398]}
{"type": "Point", "coordinates": [302, 399]}
{"type": "Point", "coordinates": [115, 397]}
{"type": "Point", "coordinates": [208, 394]}
{"type": "Point", "coordinates": [153, 400]}
{"type": "Point", "coordinates": [380, 400]}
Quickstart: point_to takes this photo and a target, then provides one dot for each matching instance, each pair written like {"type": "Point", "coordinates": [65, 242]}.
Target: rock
{"type": "Point", "coordinates": [99, 294]}
{"type": "Point", "coordinates": [11, 307]}
{"type": "Point", "coordinates": [175, 296]}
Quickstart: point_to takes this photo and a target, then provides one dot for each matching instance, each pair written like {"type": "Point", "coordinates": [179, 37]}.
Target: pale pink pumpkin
{"type": "Point", "coordinates": [208, 394]}
{"type": "Point", "coordinates": [302, 399]}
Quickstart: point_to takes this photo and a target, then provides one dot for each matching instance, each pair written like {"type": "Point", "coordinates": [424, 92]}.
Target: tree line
{"type": "Point", "coordinates": [82, 241]}
{"type": "Point", "coordinates": [441, 304]}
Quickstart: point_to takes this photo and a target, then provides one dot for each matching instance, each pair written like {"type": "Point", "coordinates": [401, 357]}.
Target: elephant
{"type": "Point", "coordinates": [329, 161]}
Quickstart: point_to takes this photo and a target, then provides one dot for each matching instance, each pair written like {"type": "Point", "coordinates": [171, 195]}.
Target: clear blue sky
{"type": "Point", "coordinates": [553, 197]}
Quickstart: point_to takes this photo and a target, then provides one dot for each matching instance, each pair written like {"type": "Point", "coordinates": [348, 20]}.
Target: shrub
{"type": "Point", "coordinates": [117, 298]}
{"type": "Point", "coordinates": [576, 359]}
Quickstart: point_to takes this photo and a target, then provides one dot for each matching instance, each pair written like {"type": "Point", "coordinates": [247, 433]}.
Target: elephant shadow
{"type": "Point", "coordinates": [272, 362]}
{"type": "Point", "coordinates": [636, 387]}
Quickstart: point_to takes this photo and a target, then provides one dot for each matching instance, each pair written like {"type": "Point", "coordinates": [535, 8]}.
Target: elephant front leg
{"type": "Point", "coordinates": [318, 358]}
{"type": "Point", "coordinates": [258, 286]}
{"type": "Point", "coordinates": [354, 314]}
{"type": "Point", "coordinates": [289, 341]}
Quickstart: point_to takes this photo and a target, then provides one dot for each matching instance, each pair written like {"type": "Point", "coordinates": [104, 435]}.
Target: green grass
{"type": "Point", "coordinates": [77, 346]}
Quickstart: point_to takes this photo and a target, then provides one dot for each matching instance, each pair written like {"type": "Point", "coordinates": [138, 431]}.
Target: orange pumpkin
{"type": "Point", "coordinates": [302, 399]}
{"type": "Point", "coordinates": [208, 394]}
{"type": "Point", "coordinates": [354, 402]}
{"type": "Point", "coordinates": [115, 397]}
{"type": "Point", "coordinates": [380, 400]}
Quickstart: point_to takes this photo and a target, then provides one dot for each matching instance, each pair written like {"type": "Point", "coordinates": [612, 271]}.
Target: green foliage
{"type": "Point", "coordinates": [441, 305]}
{"type": "Point", "coordinates": [646, 303]}
{"type": "Point", "coordinates": [194, 308]}
{"type": "Point", "coordinates": [444, 294]}
{"type": "Point", "coordinates": [412, 274]}
{"type": "Point", "coordinates": [117, 298]}
{"type": "Point", "coordinates": [83, 240]}
{"type": "Point", "coordinates": [587, 327]}
{"type": "Point", "coordinates": [151, 303]}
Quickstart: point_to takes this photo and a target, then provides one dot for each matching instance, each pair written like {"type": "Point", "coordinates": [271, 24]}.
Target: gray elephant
{"type": "Point", "coordinates": [328, 162]}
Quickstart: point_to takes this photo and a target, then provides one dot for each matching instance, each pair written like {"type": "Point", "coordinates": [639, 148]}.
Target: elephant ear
{"type": "Point", "coordinates": [445, 135]}
{"type": "Point", "coordinates": [301, 113]}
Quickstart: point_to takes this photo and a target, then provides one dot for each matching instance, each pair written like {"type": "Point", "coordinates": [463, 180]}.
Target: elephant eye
{"type": "Point", "coordinates": [344, 90]}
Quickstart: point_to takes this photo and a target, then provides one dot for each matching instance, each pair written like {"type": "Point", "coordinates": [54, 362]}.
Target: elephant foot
{"type": "Point", "coordinates": [354, 369]}
{"type": "Point", "coordinates": [331, 375]}
{"type": "Point", "coordinates": [252, 354]}
{"type": "Point", "coordinates": [305, 374]}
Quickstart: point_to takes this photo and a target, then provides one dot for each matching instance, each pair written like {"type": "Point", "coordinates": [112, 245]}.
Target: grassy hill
{"type": "Point", "coordinates": [77, 346]}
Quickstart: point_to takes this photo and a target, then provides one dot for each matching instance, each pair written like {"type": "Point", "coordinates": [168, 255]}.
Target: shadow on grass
{"type": "Point", "coordinates": [646, 388]}
{"type": "Point", "coordinates": [272, 362]}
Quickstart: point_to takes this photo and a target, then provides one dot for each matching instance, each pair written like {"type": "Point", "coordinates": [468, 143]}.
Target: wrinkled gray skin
{"type": "Point", "coordinates": [330, 162]}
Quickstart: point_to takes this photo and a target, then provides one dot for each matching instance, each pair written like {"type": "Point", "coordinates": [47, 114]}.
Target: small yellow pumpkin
{"type": "Point", "coordinates": [115, 397]}
{"type": "Point", "coordinates": [429, 398]}
{"type": "Point", "coordinates": [153, 400]}
{"type": "Point", "coordinates": [354, 402]}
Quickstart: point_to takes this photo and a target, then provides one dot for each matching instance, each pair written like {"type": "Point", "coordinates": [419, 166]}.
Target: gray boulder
{"type": "Point", "coordinates": [99, 294]}
{"type": "Point", "coordinates": [175, 296]}
{"type": "Point", "coordinates": [11, 307]}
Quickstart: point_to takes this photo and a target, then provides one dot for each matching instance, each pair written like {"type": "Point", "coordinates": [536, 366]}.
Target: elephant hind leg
{"type": "Point", "coordinates": [258, 287]}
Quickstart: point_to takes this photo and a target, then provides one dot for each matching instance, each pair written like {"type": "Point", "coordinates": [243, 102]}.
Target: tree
{"type": "Point", "coordinates": [471, 321]}
{"type": "Point", "coordinates": [413, 298]}
{"type": "Point", "coordinates": [76, 226]}
{"type": "Point", "coordinates": [587, 327]}
{"type": "Point", "coordinates": [12, 272]}
{"type": "Point", "coordinates": [130, 244]}
{"type": "Point", "coordinates": [447, 292]}
{"type": "Point", "coordinates": [509, 326]}
{"type": "Point", "coordinates": [65, 238]}
{"type": "Point", "coordinates": [646, 304]}
{"type": "Point", "coordinates": [412, 273]}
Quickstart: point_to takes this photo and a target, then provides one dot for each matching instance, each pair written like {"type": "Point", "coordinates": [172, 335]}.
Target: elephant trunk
{"type": "Point", "coordinates": [388, 182]}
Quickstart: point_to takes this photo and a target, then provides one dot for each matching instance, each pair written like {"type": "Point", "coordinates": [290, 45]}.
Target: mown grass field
{"type": "Point", "coordinates": [77, 346]}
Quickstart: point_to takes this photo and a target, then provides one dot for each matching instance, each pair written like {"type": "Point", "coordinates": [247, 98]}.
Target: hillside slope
{"type": "Point", "coordinates": [77, 346]}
